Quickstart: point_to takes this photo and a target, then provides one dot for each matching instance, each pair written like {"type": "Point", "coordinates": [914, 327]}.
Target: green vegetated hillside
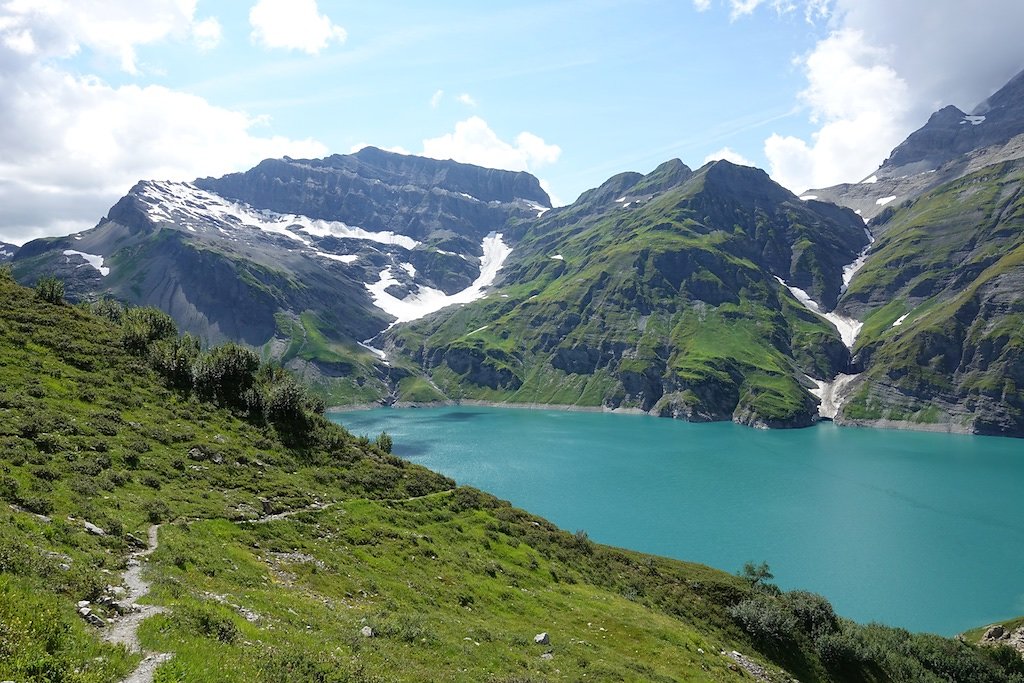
{"type": "Point", "coordinates": [942, 297]}
{"type": "Point", "coordinates": [305, 312]}
{"type": "Point", "coordinates": [656, 292]}
{"type": "Point", "coordinates": [290, 550]}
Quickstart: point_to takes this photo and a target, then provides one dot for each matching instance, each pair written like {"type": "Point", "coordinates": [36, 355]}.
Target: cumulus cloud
{"type": "Point", "coordinates": [473, 142]}
{"type": "Point", "coordinates": [111, 28]}
{"type": "Point", "coordinates": [860, 105]}
{"type": "Point", "coordinates": [881, 70]}
{"type": "Point", "coordinates": [729, 155]}
{"type": "Point", "coordinates": [293, 25]}
{"type": "Point", "coordinates": [207, 34]}
{"type": "Point", "coordinates": [466, 99]}
{"type": "Point", "coordinates": [71, 145]}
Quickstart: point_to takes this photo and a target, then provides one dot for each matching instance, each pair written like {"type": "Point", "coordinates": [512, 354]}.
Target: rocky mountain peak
{"type": "Point", "coordinates": [742, 182]}
{"type": "Point", "coordinates": [950, 133]}
{"type": "Point", "coordinates": [630, 187]}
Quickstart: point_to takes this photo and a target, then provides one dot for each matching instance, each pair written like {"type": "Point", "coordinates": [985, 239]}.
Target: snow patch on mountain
{"type": "Point", "coordinates": [850, 269]}
{"type": "Point", "coordinates": [899, 320]}
{"type": "Point", "coordinates": [847, 327]}
{"type": "Point", "coordinates": [344, 258]}
{"type": "Point", "coordinates": [426, 300]}
{"type": "Point", "coordinates": [186, 205]}
{"type": "Point", "coordinates": [973, 120]}
{"type": "Point", "coordinates": [884, 200]}
{"type": "Point", "coordinates": [94, 260]}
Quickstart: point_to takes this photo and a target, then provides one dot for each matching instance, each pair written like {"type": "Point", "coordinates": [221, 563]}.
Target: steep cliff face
{"type": "Point", "coordinates": [656, 292]}
{"type": "Point", "coordinates": [303, 258]}
{"type": "Point", "coordinates": [381, 191]}
{"type": "Point", "coordinates": [7, 252]}
{"type": "Point", "coordinates": [942, 297]}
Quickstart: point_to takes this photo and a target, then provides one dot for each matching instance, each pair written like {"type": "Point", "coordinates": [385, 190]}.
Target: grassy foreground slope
{"type": "Point", "coordinates": [452, 584]}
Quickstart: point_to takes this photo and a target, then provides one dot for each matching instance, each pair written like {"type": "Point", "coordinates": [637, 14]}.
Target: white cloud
{"type": "Point", "coordinates": [729, 155]}
{"type": "Point", "coordinates": [206, 34]}
{"type": "Point", "coordinates": [702, 5]}
{"type": "Point", "coordinates": [435, 99]}
{"type": "Point", "coordinates": [466, 99]}
{"type": "Point", "coordinates": [293, 25]}
{"type": "Point", "coordinates": [71, 145]}
{"type": "Point", "coordinates": [473, 142]}
{"type": "Point", "coordinates": [546, 186]}
{"type": "Point", "coordinates": [860, 105]}
{"type": "Point", "coordinates": [112, 28]}
{"type": "Point", "coordinates": [883, 68]}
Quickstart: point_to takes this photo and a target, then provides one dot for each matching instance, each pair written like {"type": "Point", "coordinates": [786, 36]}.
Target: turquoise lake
{"type": "Point", "coordinates": [910, 529]}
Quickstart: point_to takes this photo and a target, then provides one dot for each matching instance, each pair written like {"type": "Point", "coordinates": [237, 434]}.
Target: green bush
{"type": "Point", "coordinates": [144, 325]}
{"type": "Point", "coordinates": [175, 359]}
{"type": "Point", "coordinates": [50, 290]}
{"type": "Point", "coordinates": [813, 612]}
{"type": "Point", "coordinates": [110, 309]}
{"type": "Point", "coordinates": [765, 618]}
{"type": "Point", "coordinates": [224, 374]}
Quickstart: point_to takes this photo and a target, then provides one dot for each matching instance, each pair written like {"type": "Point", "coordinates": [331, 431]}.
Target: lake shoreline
{"type": "Point", "coordinates": [490, 404]}
{"type": "Point", "coordinates": [887, 425]}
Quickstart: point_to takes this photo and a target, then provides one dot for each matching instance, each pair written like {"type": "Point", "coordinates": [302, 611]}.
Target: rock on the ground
{"type": "Point", "coordinates": [749, 665]}
{"type": "Point", "coordinates": [542, 639]}
{"type": "Point", "coordinates": [93, 529]}
{"type": "Point", "coordinates": [367, 632]}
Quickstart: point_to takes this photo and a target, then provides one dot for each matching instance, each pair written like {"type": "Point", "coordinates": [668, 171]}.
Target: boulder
{"type": "Point", "coordinates": [542, 639]}
{"type": "Point", "coordinates": [997, 632]}
{"type": "Point", "coordinates": [367, 632]}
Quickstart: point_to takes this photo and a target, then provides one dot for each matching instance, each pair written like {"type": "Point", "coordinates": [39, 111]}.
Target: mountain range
{"type": "Point", "coordinates": [707, 294]}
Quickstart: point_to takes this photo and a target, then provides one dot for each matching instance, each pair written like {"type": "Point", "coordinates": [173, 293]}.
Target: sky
{"type": "Point", "coordinates": [98, 94]}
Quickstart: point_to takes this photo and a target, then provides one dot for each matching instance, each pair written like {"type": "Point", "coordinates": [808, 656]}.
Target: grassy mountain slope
{"type": "Point", "coordinates": [949, 268]}
{"type": "Point", "coordinates": [656, 292]}
{"type": "Point", "coordinates": [279, 545]}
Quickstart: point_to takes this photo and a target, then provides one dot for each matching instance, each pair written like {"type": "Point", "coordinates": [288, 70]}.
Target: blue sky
{"type": "Point", "coordinates": [101, 93]}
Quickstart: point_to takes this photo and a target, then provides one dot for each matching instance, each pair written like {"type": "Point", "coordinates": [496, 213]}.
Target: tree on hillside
{"type": "Point", "coordinates": [756, 574]}
{"type": "Point", "coordinates": [50, 289]}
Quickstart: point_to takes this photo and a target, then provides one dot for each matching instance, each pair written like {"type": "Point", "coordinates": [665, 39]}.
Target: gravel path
{"type": "Point", "coordinates": [126, 629]}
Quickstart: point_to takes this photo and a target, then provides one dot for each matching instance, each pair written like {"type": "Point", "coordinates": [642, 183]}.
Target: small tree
{"type": "Point", "coordinates": [384, 442]}
{"type": "Point", "coordinates": [145, 325]}
{"type": "Point", "coordinates": [757, 574]}
{"type": "Point", "coordinates": [50, 289]}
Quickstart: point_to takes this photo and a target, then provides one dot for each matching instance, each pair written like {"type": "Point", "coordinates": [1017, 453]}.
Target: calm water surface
{"type": "Point", "coordinates": [923, 531]}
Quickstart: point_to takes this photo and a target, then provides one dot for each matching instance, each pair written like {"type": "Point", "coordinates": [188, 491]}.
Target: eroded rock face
{"type": "Point", "coordinates": [380, 191]}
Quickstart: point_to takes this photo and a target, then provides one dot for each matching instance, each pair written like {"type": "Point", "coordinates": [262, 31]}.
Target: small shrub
{"type": "Point", "coordinates": [156, 511]}
{"type": "Point", "coordinates": [384, 442]}
{"type": "Point", "coordinates": [50, 290]}
{"type": "Point", "coordinates": [764, 618]}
